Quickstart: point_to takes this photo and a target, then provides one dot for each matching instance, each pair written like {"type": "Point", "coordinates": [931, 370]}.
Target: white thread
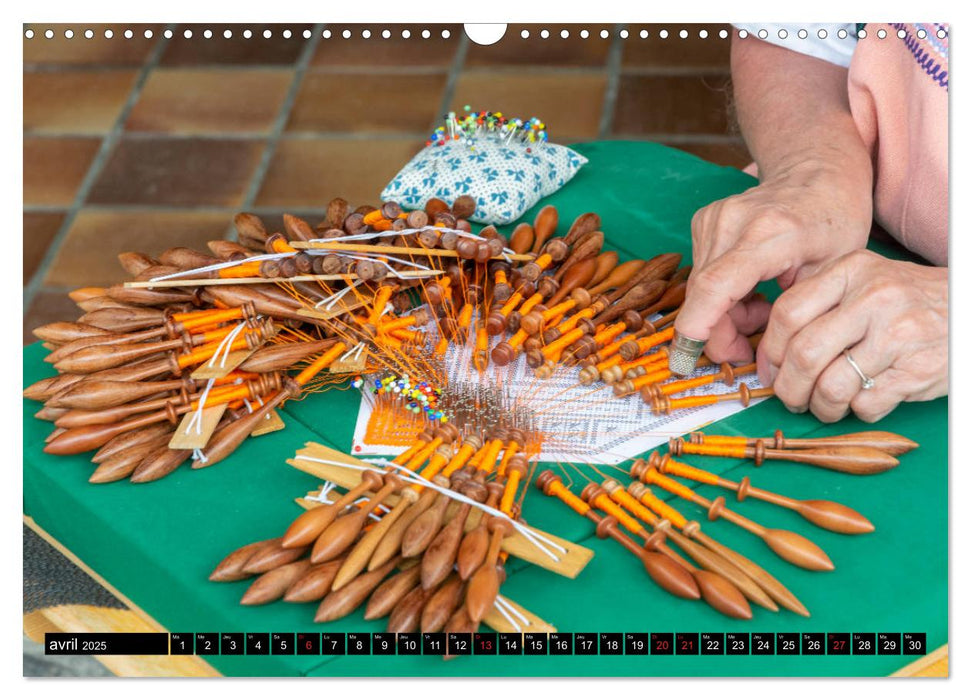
{"type": "Point", "coordinates": [225, 345]}
{"type": "Point", "coordinates": [222, 266]}
{"type": "Point", "coordinates": [355, 349]}
{"type": "Point", "coordinates": [337, 296]}
{"type": "Point", "coordinates": [505, 603]}
{"type": "Point", "coordinates": [321, 497]}
{"type": "Point", "coordinates": [197, 416]}
{"type": "Point", "coordinates": [199, 456]}
{"type": "Point", "coordinates": [502, 611]}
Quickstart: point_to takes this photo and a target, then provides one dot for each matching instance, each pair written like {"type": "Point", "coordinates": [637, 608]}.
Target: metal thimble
{"type": "Point", "coordinates": [684, 353]}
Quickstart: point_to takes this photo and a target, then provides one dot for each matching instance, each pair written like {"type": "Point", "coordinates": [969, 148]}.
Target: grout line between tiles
{"type": "Point", "coordinates": [614, 59]}
{"type": "Point", "coordinates": [94, 171]}
{"type": "Point", "coordinates": [283, 116]}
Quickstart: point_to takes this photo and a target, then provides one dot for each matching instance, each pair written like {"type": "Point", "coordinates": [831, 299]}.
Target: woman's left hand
{"type": "Point", "coordinates": [890, 316]}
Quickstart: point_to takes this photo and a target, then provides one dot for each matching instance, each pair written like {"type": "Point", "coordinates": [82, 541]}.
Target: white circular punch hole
{"type": "Point", "coordinates": [488, 34]}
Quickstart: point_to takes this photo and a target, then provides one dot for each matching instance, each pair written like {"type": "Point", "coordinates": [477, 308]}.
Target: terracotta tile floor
{"type": "Point", "coordinates": [152, 138]}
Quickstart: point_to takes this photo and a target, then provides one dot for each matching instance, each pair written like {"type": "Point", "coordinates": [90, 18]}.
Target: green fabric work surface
{"type": "Point", "coordinates": [158, 542]}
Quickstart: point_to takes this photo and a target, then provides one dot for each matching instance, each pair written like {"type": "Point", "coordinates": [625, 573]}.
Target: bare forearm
{"type": "Point", "coordinates": [792, 108]}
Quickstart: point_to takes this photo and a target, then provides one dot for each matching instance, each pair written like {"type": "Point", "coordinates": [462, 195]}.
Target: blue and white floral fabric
{"type": "Point", "coordinates": [505, 179]}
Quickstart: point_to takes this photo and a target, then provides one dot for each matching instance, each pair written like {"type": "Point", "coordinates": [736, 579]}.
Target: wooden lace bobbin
{"type": "Point", "coordinates": [516, 440]}
{"type": "Point", "coordinates": [483, 586]}
{"type": "Point", "coordinates": [132, 438]}
{"type": "Point", "coordinates": [606, 262]}
{"type": "Point", "coordinates": [825, 514]}
{"type": "Point", "coordinates": [406, 615]}
{"type": "Point", "coordinates": [584, 250]}
{"type": "Point", "coordinates": [314, 583]}
{"type": "Point", "coordinates": [516, 469]}
{"type": "Point", "coordinates": [337, 537]}
{"type": "Point", "coordinates": [497, 319]}
{"type": "Point", "coordinates": [309, 525]}
{"type": "Point", "coordinates": [231, 567]}
{"type": "Point", "coordinates": [422, 531]}
{"type": "Point", "coordinates": [705, 558]}
{"type": "Point", "coordinates": [555, 330]}
{"type": "Point", "coordinates": [90, 437]}
{"type": "Point", "coordinates": [641, 377]}
{"type": "Point", "coordinates": [577, 277]}
{"type": "Point", "coordinates": [225, 440]}
{"type": "Point", "coordinates": [891, 443]}
{"type": "Point", "coordinates": [441, 604]}
{"type": "Point", "coordinates": [544, 361]}
{"type": "Point", "coordinates": [544, 226]}
{"type": "Point", "coordinates": [665, 404]}
{"type": "Point", "coordinates": [790, 546]}
{"type": "Point", "coordinates": [343, 601]}
{"type": "Point", "coordinates": [389, 593]}
{"type": "Point", "coordinates": [649, 362]}
{"type": "Point", "coordinates": [273, 584]}
{"type": "Point", "coordinates": [475, 544]}
{"type": "Point", "coordinates": [75, 418]}
{"type": "Point", "coordinates": [849, 460]}
{"type": "Point", "coordinates": [443, 435]}
{"type": "Point", "coordinates": [654, 335]}
{"type": "Point", "coordinates": [271, 555]}
{"type": "Point", "coordinates": [609, 369]}
{"type": "Point", "coordinates": [101, 394]}
{"type": "Point", "coordinates": [160, 464]}
{"type": "Point", "coordinates": [440, 556]}
{"type": "Point", "coordinates": [123, 464]}
{"type": "Point", "coordinates": [535, 321]}
{"type": "Point", "coordinates": [716, 590]}
{"type": "Point", "coordinates": [726, 375]}
{"type": "Point", "coordinates": [391, 531]}
{"type": "Point", "coordinates": [421, 441]}
{"type": "Point", "coordinates": [660, 267]}
{"type": "Point", "coordinates": [778, 592]}
{"type": "Point", "coordinates": [618, 276]}
{"type": "Point", "coordinates": [284, 356]}
{"type": "Point", "coordinates": [584, 224]}
{"type": "Point", "coordinates": [61, 332]}
{"type": "Point", "coordinates": [665, 572]}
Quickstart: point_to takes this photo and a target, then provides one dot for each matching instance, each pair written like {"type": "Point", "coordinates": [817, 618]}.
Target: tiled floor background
{"type": "Point", "coordinates": [148, 143]}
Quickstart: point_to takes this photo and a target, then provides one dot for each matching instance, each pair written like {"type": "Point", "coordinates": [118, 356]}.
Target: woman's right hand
{"type": "Point", "coordinates": [801, 217]}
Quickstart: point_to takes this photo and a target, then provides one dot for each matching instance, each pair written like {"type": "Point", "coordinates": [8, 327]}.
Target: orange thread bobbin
{"type": "Point", "coordinates": [646, 497]}
{"type": "Point", "coordinates": [516, 440]}
{"type": "Point", "coordinates": [625, 500]}
{"type": "Point", "coordinates": [419, 443]}
{"type": "Point", "coordinates": [737, 451]}
{"type": "Point", "coordinates": [647, 342]}
{"type": "Point", "coordinates": [726, 375]}
{"type": "Point", "coordinates": [469, 447]}
{"type": "Point", "coordinates": [552, 485]}
{"type": "Point", "coordinates": [381, 299]}
{"type": "Point", "coordinates": [598, 498]}
{"type": "Point", "coordinates": [245, 269]}
{"type": "Point", "coordinates": [699, 438]}
{"type": "Point", "coordinates": [322, 362]}
{"type": "Point", "coordinates": [558, 345]}
{"type": "Point", "coordinates": [516, 470]}
{"type": "Point", "coordinates": [670, 466]}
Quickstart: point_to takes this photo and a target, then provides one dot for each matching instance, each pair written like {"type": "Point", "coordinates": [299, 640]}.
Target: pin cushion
{"type": "Point", "coordinates": [505, 164]}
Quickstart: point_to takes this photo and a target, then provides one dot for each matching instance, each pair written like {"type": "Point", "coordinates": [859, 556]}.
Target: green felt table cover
{"type": "Point", "coordinates": [157, 542]}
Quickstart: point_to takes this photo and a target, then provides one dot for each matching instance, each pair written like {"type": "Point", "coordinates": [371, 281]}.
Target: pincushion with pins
{"type": "Point", "coordinates": [505, 164]}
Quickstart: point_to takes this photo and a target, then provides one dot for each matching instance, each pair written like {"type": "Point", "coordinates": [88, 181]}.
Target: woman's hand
{"type": "Point", "coordinates": [813, 205]}
{"type": "Point", "coordinates": [785, 228]}
{"type": "Point", "coordinates": [892, 318]}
